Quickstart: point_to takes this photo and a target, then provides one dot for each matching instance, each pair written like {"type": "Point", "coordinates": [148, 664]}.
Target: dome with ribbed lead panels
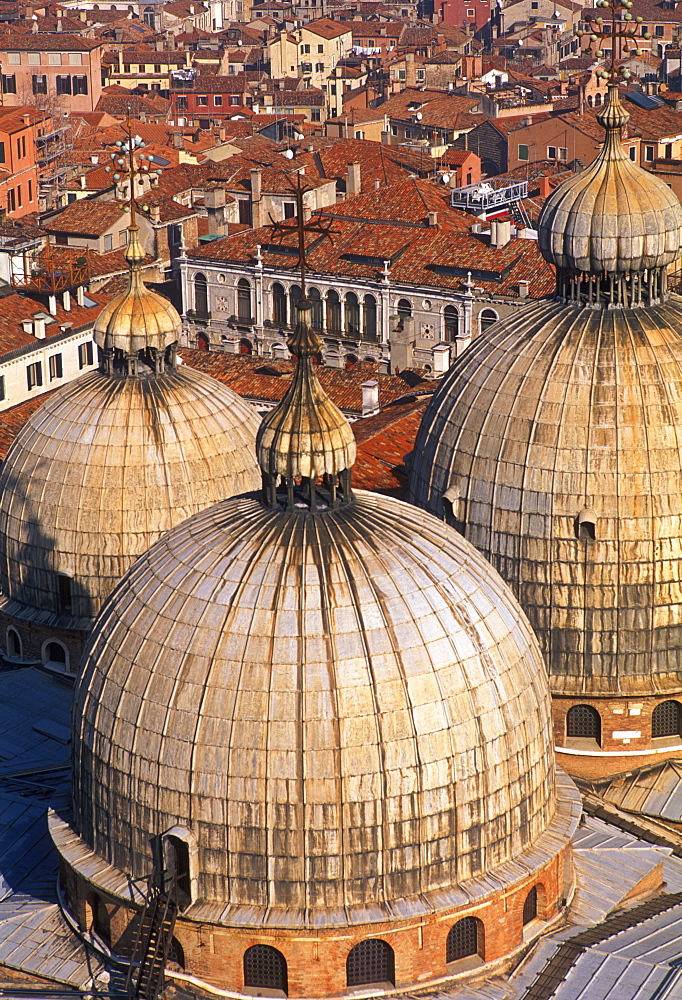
{"type": "Point", "coordinates": [613, 217]}
{"type": "Point", "coordinates": [105, 466]}
{"type": "Point", "coordinates": [555, 445]}
{"type": "Point", "coordinates": [345, 707]}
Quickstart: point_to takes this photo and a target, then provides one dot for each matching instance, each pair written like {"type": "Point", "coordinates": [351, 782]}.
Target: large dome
{"type": "Point", "coordinates": [554, 445]}
{"type": "Point", "coordinates": [347, 709]}
{"type": "Point", "coordinates": [101, 469]}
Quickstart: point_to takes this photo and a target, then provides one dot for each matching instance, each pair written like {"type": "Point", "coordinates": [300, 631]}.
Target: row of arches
{"type": "Point", "coordinates": [54, 653]}
{"type": "Point", "coordinates": [583, 722]}
{"type": "Point", "coordinates": [373, 961]}
{"type": "Point", "coordinates": [358, 318]}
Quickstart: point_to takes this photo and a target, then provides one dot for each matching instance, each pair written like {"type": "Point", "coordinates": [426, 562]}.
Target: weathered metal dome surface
{"type": "Point", "coordinates": [557, 424]}
{"type": "Point", "coordinates": [614, 216]}
{"type": "Point", "coordinates": [346, 709]}
{"type": "Point", "coordinates": [103, 468]}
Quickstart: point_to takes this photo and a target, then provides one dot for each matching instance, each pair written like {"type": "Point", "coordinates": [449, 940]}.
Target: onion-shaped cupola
{"type": "Point", "coordinates": [612, 230]}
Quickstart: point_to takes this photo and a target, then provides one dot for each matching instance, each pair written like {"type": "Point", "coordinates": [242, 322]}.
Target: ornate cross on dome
{"type": "Point", "coordinates": [282, 229]}
{"type": "Point", "coordinates": [126, 167]}
{"type": "Point", "coordinates": [621, 39]}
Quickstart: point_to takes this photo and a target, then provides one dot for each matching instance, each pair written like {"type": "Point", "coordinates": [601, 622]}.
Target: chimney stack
{"type": "Point", "coordinates": [500, 233]}
{"type": "Point", "coordinates": [370, 398]}
{"type": "Point", "coordinates": [441, 360]}
{"type": "Point", "coordinates": [523, 289]}
{"type": "Point", "coordinates": [545, 187]}
{"type": "Point", "coordinates": [353, 180]}
{"type": "Point", "coordinates": [433, 218]}
{"type": "Point", "coordinates": [256, 210]}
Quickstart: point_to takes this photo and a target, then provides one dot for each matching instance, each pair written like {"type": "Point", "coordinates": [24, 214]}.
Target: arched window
{"type": "Point", "coordinates": [404, 308]}
{"type": "Point", "coordinates": [294, 296]}
{"type": "Point", "coordinates": [530, 906]}
{"type": "Point", "coordinates": [202, 342]}
{"type": "Point", "coordinates": [597, 100]}
{"type": "Point", "coordinates": [243, 300]}
{"type": "Point", "coordinates": [64, 595]}
{"type": "Point", "coordinates": [279, 305]}
{"type": "Point", "coordinates": [176, 954]}
{"type": "Point", "coordinates": [265, 967]}
{"type": "Point", "coordinates": [464, 939]}
{"type": "Point", "coordinates": [370, 961]}
{"type": "Point", "coordinates": [451, 319]}
{"type": "Point", "coordinates": [333, 312]}
{"type": "Point", "coordinates": [13, 644]}
{"type": "Point", "coordinates": [350, 362]}
{"type": "Point", "coordinates": [177, 868]}
{"type": "Point", "coordinates": [97, 917]}
{"type": "Point", "coordinates": [583, 722]}
{"type": "Point", "coordinates": [370, 327]}
{"type": "Point", "coordinates": [200, 295]}
{"type": "Point", "coordinates": [590, 100]}
{"type": "Point", "coordinates": [245, 346]}
{"type": "Point", "coordinates": [667, 719]}
{"type": "Point", "coordinates": [316, 308]}
{"type": "Point", "coordinates": [352, 315]}
{"type": "Point", "coordinates": [488, 317]}
{"type": "Point", "coordinates": [55, 655]}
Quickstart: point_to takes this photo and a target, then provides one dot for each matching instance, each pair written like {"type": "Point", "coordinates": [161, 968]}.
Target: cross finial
{"type": "Point", "coordinates": [125, 165]}
{"type": "Point", "coordinates": [282, 229]}
{"type": "Point", "coordinates": [622, 39]}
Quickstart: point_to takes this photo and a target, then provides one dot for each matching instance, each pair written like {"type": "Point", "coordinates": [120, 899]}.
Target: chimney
{"type": "Point", "coordinates": [545, 187]}
{"type": "Point", "coordinates": [155, 213]}
{"type": "Point", "coordinates": [178, 140]}
{"type": "Point", "coordinates": [59, 24]}
{"type": "Point", "coordinates": [377, 183]}
{"type": "Point", "coordinates": [401, 339]}
{"type": "Point", "coordinates": [80, 295]}
{"type": "Point", "coordinates": [39, 324]}
{"type": "Point", "coordinates": [214, 203]}
{"type": "Point", "coordinates": [159, 44]}
{"type": "Point", "coordinates": [441, 360]}
{"type": "Point", "coordinates": [500, 234]}
{"type": "Point", "coordinates": [433, 218]}
{"type": "Point", "coordinates": [256, 209]}
{"type": "Point", "coordinates": [66, 300]}
{"type": "Point", "coordinates": [118, 35]}
{"type": "Point", "coordinates": [94, 158]}
{"type": "Point", "coordinates": [523, 289]}
{"type": "Point", "coordinates": [84, 15]}
{"type": "Point", "coordinates": [370, 398]}
{"type": "Point", "coordinates": [353, 180]}
{"type": "Point", "coordinates": [52, 306]}
{"type": "Point", "coordinates": [82, 179]}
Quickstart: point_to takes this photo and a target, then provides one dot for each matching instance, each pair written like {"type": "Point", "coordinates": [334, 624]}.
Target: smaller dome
{"type": "Point", "coordinates": [138, 318]}
{"type": "Point", "coordinates": [614, 216]}
{"type": "Point", "coordinates": [306, 434]}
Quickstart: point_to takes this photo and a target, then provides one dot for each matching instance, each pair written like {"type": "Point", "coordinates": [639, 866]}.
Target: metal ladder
{"type": "Point", "coordinates": [153, 940]}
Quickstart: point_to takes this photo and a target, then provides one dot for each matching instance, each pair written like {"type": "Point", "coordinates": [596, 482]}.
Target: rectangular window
{"type": "Point", "coordinates": [289, 209]}
{"type": "Point", "coordinates": [9, 84]}
{"type": "Point", "coordinates": [659, 31]}
{"type": "Point", "coordinates": [633, 153]}
{"type": "Point", "coordinates": [315, 115]}
{"type": "Point", "coordinates": [523, 151]}
{"type": "Point", "coordinates": [39, 84]}
{"type": "Point", "coordinates": [401, 74]}
{"type": "Point", "coordinates": [320, 48]}
{"type": "Point", "coordinates": [23, 145]}
{"type": "Point", "coordinates": [2, 152]}
{"type": "Point", "coordinates": [563, 153]}
{"type": "Point", "coordinates": [202, 101]}
{"type": "Point", "coordinates": [157, 68]}
{"type": "Point", "coordinates": [79, 84]}
{"type": "Point", "coordinates": [421, 74]}
{"type": "Point", "coordinates": [85, 354]}
{"type": "Point", "coordinates": [55, 366]}
{"type": "Point", "coordinates": [11, 200]}
{"type": "Point", "coordinates": [234, 100]}
{"type": "Point", "coordinates": [108, 242]}
{"type": "Point", "coordinates": [64, 599]}
{"type": "Point", "coordinates": [34, 58]}
{"type": "Point", "coordinates": [551, 152]}
{"type": "Point", "coordinates": [319, 67]}
{"type": "Point", "coordinates": [54, 58]}
{"type": "Point", "coordinates": [126, 68]}
{"type": "Point", "coordinates": [30, 189]}
{"type": "Point", "coordinates": [63, 85]}
{"type": "Point", "coordinates": [3, 394]}
{"type": "Point", "coordinates": [182, 103]}
{"type": "Point", "coordinates": [34, 374]}
{"type": "Point", "coordinates": [359, 134]}
{"type": "Point", "coordinates": [218, 100]}
{"type": "Point", "coordinates": [244, 212]}
{"type": "Point", "coordinates": [75, 59]}
{"type": "Point", "coordinates": [14, 58]}
{"type": "Point", "coordinates": [645, 29]}
{"type": "Point", "coordinates": [648, 154]}
{"type": "Point", "coordinates": [394, 129]}
{"type": "Point", "coordinates": [306, 67]}
{"type": "Point", "coordinates": [19, 202]}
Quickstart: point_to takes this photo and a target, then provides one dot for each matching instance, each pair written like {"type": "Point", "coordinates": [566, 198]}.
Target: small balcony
{"type": "Point", "coordinates": [489, 195]}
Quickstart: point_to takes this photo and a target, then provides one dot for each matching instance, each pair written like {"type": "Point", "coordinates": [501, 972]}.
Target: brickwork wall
{"type": "Point", "coordinates": [628, 716]}
{"type": "Point", "coordinates": [33, 637]}
{"type": "Point", "coordinates": [316, 961]}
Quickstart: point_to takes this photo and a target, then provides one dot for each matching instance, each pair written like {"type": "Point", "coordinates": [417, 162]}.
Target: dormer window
{"type": "Point", "coordinates": [586, 525]}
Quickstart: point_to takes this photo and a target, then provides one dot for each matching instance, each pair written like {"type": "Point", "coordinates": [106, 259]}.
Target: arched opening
{"type": "Point", "coordinates": [279, 305]}
{"type": "Point", "coordinates": [294, 296]}
{"type": "Point", "coordinates": [176, 955]}
{"type": "Point", "coordinates": [464, 939]}
{"type": "Point", "coordinates": [333, 312]}
{"type": "Point", "coordinates": [245, 346]}
{"type": "Point", "coordinates": [404, 309]}
{"type": "Point", "coordinates": [488, 317]}
{"type": "Point", "coordinates": [590, 100]}
{"type": "Point", "coordinates": [202, 342]}
{"type": "Point", "coordinates": [350, 362]}
{"type": "Point", "coordinates": [530, 906]}
{"type": "Point", "coordinates": [265, 967]}
{"type": "Point", "coordinates": [56, 656]}
{"type": "Point", "coordinates": [370, 324]}
{"type": "Point", "coordinates": [200, 295]}
{"type": "Point", "coordinates": [451, 321]}
{"type": "Point", "coordinates": [370, 961]}
{"type": "Point", "coordinates": [597, 100]}
{"type": "Point", "coordinates": [666, 720]}
{"type": "Point", "coordinates": [352, 315]}
{"type": "Point", "coordinates": [13, 644]}
{"type": "Point", "coordinates": [243, 300]}
{"type": "Point", "coordinates": [316, 308]}
{"type": "Point", "coordinates": [177, 868]}
{"type": "Point", "coordinates": [583, 723]}
{"type": "Point", "coordinates": [97, 917]}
